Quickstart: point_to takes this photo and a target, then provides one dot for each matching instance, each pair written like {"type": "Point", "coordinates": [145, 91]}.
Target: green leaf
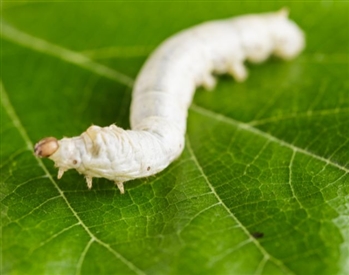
{"type": "Point", "coordinates": [262, 186]}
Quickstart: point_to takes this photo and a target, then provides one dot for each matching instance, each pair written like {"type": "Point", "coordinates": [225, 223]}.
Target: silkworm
{"type": "Point", "coordinates": [163, 92]}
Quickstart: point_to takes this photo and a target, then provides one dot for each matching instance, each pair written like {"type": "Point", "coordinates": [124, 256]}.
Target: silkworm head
{"type": "Point", "coordinates": [46, 147]}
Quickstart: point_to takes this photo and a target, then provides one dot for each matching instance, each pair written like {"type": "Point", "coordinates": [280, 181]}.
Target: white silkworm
{"type": "Point", "coordinates": [163, 92]}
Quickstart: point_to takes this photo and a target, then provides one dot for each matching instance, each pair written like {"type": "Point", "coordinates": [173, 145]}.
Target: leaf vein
{"type": "Point", "coordinates": [34, 43]}
{"type": "Point", "coordinates": [256, 131]}
{"type": "Point", "coordinates": [82, 257]}
{"type": "Point", "coordinates": [53, 237]}
{"type": "Point", "coordinates": [12, 114]}
{"type": "Point", "coordinates": [290, 175]}
{"type": "Point", "coordinates": [244, 229]}
{"type": "Point", "coordinates": [306, 114]}
{"type": "Point", "coordinates": [36, 208]}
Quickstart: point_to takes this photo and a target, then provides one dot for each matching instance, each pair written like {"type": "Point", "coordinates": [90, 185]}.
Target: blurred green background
{"type": "Point", "coordinates": [272, 157]}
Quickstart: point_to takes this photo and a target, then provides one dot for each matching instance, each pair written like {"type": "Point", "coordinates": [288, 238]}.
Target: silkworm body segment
{"type": "Point", "coordinates": [163, 92]}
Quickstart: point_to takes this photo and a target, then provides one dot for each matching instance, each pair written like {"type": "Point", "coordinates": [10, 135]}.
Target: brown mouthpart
{"type": "Point", "coordinates": [46, 147]}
